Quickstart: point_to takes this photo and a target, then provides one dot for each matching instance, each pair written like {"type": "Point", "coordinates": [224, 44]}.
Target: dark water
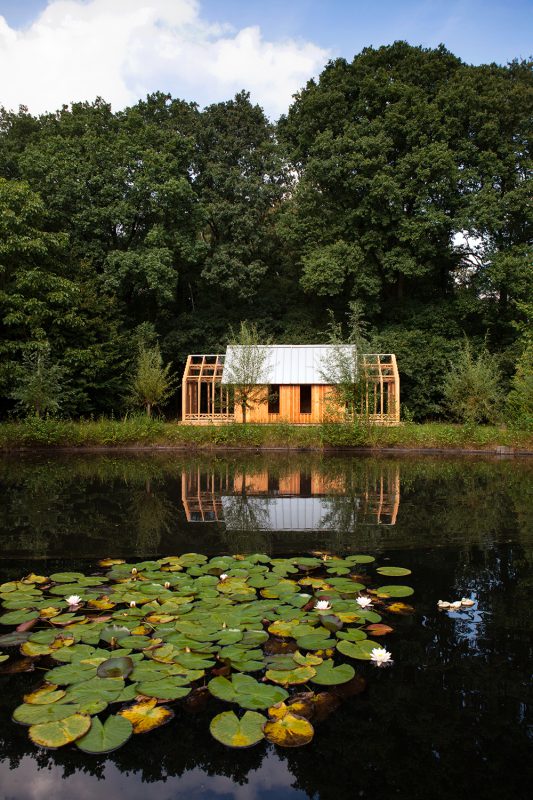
{"type": "Point", "coordinates": [451, 719]}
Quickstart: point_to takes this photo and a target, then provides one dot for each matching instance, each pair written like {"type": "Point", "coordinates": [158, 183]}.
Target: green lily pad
{"type": "Point", "coordinates": [327, 674]}
{"type": "Point", "coordinates": [315, 641]}
{"type": "Point", "coordinates": [106, 737]}
{"type": "Point", "coordinates": [246, 692]}
{"type": "Point", "coordinates": [393, 572]}
{"type": "Point", "coordinates": [18, 617]}
{"type": "Point", "coordinates": [395, 591]}
{"type": "Point", "coordinates": [360, 650]}
{"type": "Point", "coordinates": [164, 689]}
{"type": "Point", "coordinates": [228, 729]}
{"type": "Point", "coordinates": [30, 714]}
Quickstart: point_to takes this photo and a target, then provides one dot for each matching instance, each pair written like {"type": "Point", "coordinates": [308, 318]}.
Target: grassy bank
{"type": "Point", "coordinates": [141, 432]}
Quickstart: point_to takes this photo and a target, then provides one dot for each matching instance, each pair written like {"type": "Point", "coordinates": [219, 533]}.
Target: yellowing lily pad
{"type": "Point", "coordinates": [228, 729]}
{"type": "Point", "coordinates": [147, 715]}
{"type": "Point", "coordinates": [45, 695]}
{"type": "Point", "coordinates": [290, 676]}
{"type": "Point", "coordinates": [289, 731]}
{"type": "Point", "coordinates": [57, 734]}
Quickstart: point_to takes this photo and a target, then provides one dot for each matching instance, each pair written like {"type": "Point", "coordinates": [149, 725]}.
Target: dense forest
{"type": "Point", "coordinates": [399, 180]}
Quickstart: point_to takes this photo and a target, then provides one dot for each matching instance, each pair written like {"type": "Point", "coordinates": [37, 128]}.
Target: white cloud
{"type": "Point", "coordinates": [123, 49]}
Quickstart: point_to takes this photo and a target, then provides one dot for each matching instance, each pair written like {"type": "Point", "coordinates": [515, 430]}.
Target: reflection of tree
{"type": "Point", "coordinates": [152, 514]}
{"type": "Point", "coordinates": [246, 522]}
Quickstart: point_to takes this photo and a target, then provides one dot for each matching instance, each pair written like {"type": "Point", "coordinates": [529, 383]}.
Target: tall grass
{"type": "Point", "coordinates": [139, 431]}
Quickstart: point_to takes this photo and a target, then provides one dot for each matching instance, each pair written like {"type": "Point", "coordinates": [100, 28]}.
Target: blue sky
{"type": "Point", "coordinates": [58, 51]}
{"type": "Point", "coordinates": [478, 31]}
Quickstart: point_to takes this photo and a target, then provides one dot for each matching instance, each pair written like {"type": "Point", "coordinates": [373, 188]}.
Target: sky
{"type": "Point", "coordinates": [58, 51]}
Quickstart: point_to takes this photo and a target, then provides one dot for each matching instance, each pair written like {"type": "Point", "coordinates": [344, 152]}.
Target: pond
{"type": "Point", "coordinates": [450, 719]}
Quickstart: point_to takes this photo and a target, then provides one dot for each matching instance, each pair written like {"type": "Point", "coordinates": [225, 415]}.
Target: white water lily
{"type": "Point", "coordinates": [322, 605]}
{"type": "Point", "coordinates": [380, 657]}
{"type": "Point", "coordinates": [167, 584]}
{"type": "Point", "coordinates": [223, 576]}
{"type": "Point", "coordinates": [73, 599]}
{"type": "Point", "coordinates": [132, 604]}
{"type": "Point", "coordinates": [364, 602]}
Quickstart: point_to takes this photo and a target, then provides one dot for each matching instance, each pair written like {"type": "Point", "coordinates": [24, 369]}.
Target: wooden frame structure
{"type": "Point", "coordinates": [205, 400]}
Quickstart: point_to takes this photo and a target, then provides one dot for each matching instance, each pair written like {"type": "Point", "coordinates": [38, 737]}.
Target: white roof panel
{"type": "Point", "coordinates": [286, 363]}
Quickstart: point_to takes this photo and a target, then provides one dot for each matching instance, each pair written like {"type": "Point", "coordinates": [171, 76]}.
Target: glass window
{"type": "Point", "coordinates": [273, 399]}
{"type": "Point", "coordinates": [305, 399]}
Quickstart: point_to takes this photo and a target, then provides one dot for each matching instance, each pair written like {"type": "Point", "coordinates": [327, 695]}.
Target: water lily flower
{"type": "Point", "coordinates": [132, 603]}
{"type": "Point", "coordinates": [380, 657]}
{"type": "Point", "coordinates": [73, 599]}
{"type": "Point", "coordinates": [223, 576]}
{"type": "Point", "coordinates": [364, 602]}
{"type": "Point", "coordinates": [322, 605]}
{"type": "Point", "coordinates": [167, 584]}
{"type": "Point", "coordinates": [134, 571]}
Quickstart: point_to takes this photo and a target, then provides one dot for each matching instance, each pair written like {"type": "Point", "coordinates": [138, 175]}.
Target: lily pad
{"type": "Point", "coordinates": [49, 693]}
{"type": "Point", "coordinates": [165, 689]}
{"type": "Point", "coordinates": [228, 729]}
{"type": "Point", "coordinates": [246, 692]}
{"type": "Point", "coordinates": [291, 677]}
{"type": "Point", "coordinates": [106, 737]}
{"type": "Point", "coordinates": [395, 591]}
{"type": "Point", "coordinates": [29, 714]}
{"type": "Point", "coordinates": [147, 715]}
{"type": "Point", "coordinates": [327, 674]}
{"type": "Point", "coordinates": [393, 572]}
{"type": "Point", "coordinates": [115, 668]}
{"type": "Point", "coordinates": [359, 650]}
{"type": "Point", "coordinates": [57, 734]}
{"type": "Point", "coordinates": [289, 731]}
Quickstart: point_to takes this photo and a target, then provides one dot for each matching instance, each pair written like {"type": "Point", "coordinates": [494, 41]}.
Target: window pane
{"type": "Point", "coordinates": [273, 399]}
{"type": "Point", "coordinates": [305, 399]}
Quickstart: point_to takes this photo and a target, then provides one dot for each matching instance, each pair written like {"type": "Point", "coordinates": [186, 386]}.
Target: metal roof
{"type": "Point", "coordinates": [286, 363]}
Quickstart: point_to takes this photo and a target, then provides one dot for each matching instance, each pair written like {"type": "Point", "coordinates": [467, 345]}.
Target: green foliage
{"type": "Point", "coordinates": [39, 386]}
{"type": "Point", "coordinates": [246, 370]}
{"type": "Point", "coordinates": [193, 220]}
{"type": "Point", "coordinates": [519, 402]}
{"type": "Point", "coordinates": [153, 382]}
{"type": "Point", "coordinates": [472, 387]}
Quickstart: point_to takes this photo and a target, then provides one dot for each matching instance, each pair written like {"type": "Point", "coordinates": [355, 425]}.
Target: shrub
{"type": "Point", "coordinates": [472, 387]}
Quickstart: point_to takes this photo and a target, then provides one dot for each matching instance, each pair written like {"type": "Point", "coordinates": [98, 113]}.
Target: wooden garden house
{"type": "Point", "coordinates": [291, 387]}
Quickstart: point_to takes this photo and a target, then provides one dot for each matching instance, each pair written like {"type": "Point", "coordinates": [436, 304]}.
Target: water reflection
{"type": "Point", "coordinates": [452, 719]}
{"type": "Point", "coordinates": [294, 500]}
{"type": "Point", "coordinates": [137, 505]}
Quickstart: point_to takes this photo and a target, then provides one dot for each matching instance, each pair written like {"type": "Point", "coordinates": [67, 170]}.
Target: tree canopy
{"type": "Point", "coordinates": [398, 181]}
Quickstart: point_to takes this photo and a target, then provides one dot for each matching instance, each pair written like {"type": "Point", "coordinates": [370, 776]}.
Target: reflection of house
{"type": "Point", "coordinates": [295, 500]}
{"type": "Point", "coordinates": [293, 386]}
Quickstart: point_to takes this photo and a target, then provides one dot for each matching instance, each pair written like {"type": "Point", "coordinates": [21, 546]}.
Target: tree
{"type": "Point", "coordinates": [40, 383]}
{"type": "Point", "coordinates": [472, 387]}
{"type": "Point", "coordinates": [246, 366]}
{"type": "Point", "coordinates": [344, 367]}
{"type": "Point", "coordinates": [153, 383]}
